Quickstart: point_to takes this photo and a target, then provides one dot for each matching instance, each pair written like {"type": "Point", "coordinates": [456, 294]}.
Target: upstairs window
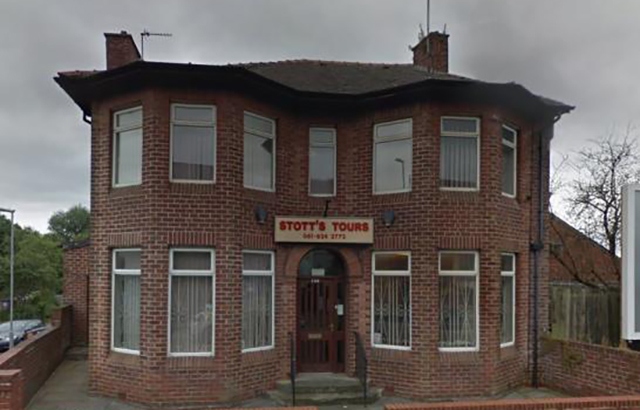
{"type": "Point", "coordinates": [193, 143]}
{"type": "Point", "coordinates": [259, 152]}
{"type": "Point", "coordinates": [509, 151]}
{"type": "Point", "coordinates": [125, 303]}
{"type": "Point", "coordinates": [127, 147]}
{"type": "Point", "coordinates": [392, 157]}
{"type": "Point", "coordinates": [322, 162]}
{"type": "Point", "coordinates": [459, 153]}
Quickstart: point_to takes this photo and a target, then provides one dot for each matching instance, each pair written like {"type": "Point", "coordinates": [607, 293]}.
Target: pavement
{"type": "Point", "coordinates": [68, 389]}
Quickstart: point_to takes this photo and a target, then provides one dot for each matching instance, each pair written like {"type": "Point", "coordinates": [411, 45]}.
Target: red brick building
{"type": "Point", "coordinates": [238, 207]}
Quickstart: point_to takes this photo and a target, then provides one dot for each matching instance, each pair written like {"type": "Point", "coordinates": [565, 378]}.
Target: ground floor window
{"type": "Point", "coordinates": [508, 299]}
{"type": "Point", "coordinates": [458, 300]}
{"type": "Point", "coordinates": [191, 296]}
{"type": "Point", "coordinates": [257, 300]}
{"type": "Point", "coordinates": [125, 304]}
{"type": "Point", "coordinates": [391, 307]}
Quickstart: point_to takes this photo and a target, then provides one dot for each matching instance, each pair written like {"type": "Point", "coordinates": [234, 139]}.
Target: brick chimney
{"type": "Point", "coordinates": [121, 49]}
{"type": "Point", "coordinates": [432, 52]}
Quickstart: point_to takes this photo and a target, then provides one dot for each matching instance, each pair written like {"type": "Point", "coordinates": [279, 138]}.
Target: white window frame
{"type": "Point", "coordinates": [375, 273]}
{"type": "Point", "coordinates": [273, 295]}
{"type": "Point", "coordinates": [212, 124]}
{"type": "Point", "coordinates": [513, 145]}
{"type": "Point", "coordinates": [333, 145]}
{"type": "Point", "coordinates": [512, 274]}
{"type": "Point", "coordinates": [476, 135]}
{"type": "Point", "coordinates": [114, 272]}
{"type": "Point", "coordinates": [117, 130]}
{"type": "Point", "coordinates": [399, 137]}
{"type": "Point", "coordinates": [180, 272]}
{"type": "Point", "coordinates": [263, 135]}
{"type": "Point", "coordinates": [463, 273]}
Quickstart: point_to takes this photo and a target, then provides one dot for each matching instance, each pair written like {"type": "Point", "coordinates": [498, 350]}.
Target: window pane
{"type": "Point", "coordinates": [256, 261]}
{"type": "Point", "coordinates": [322, 137]}
{"type": "Point", "coordinates": [457, 311]}
{"type": "Point", "coordinates": [128, 155]}
{"type": "Point", "coordinates": [391, 310]}
{"type": "Point", "coordinates": [200, 114]}
{"type": "Point", "coordinates": [192, 260]}
{"type": "Point", "coordinates": [506, 333]}
{"type": "Point", "coordinates": [460, 125]}
{"type": "Point", "coordinates": [127, 260]}
{"type": "Point", "coordinates": [391, 262]}
{"type": "Point", "coordinates": [506, 263]}
{"type": "Point", "coordinates": [258, 161]}
{"type": "Point", "coordinates": [321, 170]}
{"type": "Point", "coordinates": [129, 119]}
{"type": "Point", "coordinates": [457, 261]}
{"type": "Point", "coordinates": [193, 152]}
{"type": "Point", "coordinates": [126, 312]}
{"type": "Point", "coordinates": [393, 165]}
{"type": "Point", "coordinates": [393, 130]}
{"type": "Point", "coordinates": [191, 314]}
{"type": "Point", "coordinates": [459, 162]}
{"type": "Point", "coordinates": [258, 124]}
{"type": "Point", "coordinates": [257, 311]}
{"type": "Point", "coordinates": [508, 169]}
{"type": "Point", "coordinates": [508, 135]}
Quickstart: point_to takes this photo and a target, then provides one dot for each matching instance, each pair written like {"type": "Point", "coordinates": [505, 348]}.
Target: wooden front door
{"type": "Point", "coordinates": [321, 336]}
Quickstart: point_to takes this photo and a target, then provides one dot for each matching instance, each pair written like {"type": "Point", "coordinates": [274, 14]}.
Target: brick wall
{"type": "Point", "coordinates": [599, 403]}
{"type": "Point", "coordinates": [26, 367]}
{"type": "Point", "coordinates": [158, 215]}
{"type": "Point", "coordinates": [75, 290]}
{"type": "Point", "coordinates": [588, 369]}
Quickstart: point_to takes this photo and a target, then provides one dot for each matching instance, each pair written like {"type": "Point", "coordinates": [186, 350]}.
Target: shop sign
{"type": "Point", "coordinates": [324, 230]}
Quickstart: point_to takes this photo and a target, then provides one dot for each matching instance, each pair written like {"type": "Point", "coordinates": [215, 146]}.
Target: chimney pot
{"type": "Point", "coordinates": [121, 49]}
{"type": "Point", "coordinates": [432, 52]}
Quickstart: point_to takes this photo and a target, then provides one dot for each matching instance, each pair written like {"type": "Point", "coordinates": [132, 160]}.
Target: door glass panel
{"type": "Point", "coordinates": [320, 263]}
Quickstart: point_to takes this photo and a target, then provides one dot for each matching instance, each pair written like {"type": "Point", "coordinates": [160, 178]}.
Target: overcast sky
{"type": "Point", "coordinates": [582, 52]}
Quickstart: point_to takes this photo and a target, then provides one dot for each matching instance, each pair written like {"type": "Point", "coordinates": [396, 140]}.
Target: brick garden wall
{"type": "Point", "coordinates": [75, 289]}
{"type": "Point", "coordinates": [26, 367]}
{"type": "Point", "coordinates": [599, 403]}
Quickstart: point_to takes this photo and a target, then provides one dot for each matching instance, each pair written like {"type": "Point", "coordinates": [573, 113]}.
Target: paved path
{"type": "Point", "coordinates": [67, 389]}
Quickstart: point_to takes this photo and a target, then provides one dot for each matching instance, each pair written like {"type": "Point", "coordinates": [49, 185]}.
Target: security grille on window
{"type": "Point", "coordinates": [322, 161]}
{"type": "Point", "coordinates": [458, 301]}
{"type": "Point", "coordinates": [192, 284]}
{"type": "Point", "coordinates": [193, 143]}
{"type": "Point", "coordinates": [127, 147]}
{"type": "Point", "coordinates": [257, 300]}
{"type": "Point", "coordinates": [509, 151]}
{"type": "Point", "coordinates": [508, 299]}
{"type": "Point", "coordinates": [392, 157]}
{"type": "Point", "coordinates": [259, 150]}
{"type": "Point", "coordinates": [125, 304]}
{"type": "Point", "coordinates": [459, 163]}
{"type": "Point", "coordinates": [391, 300]}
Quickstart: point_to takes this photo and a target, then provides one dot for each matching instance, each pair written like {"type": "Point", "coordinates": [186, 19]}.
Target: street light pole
{"type": "Point", "coordinates": [11, 268]}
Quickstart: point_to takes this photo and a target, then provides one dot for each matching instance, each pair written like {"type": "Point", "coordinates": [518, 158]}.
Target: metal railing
{"type": "Point", "coordinates": [292, 369]}
{"type": "Point", "coordinates": [361, 366]}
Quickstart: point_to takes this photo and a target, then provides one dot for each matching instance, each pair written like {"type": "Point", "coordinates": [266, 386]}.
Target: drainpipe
{"type": "Point", "coordinates": [537, 247]}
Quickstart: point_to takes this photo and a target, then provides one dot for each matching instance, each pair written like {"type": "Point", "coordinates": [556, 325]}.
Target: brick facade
{"type": "Point", "coordinates": [75, 289]}
{"type": "Point", "coordinates": [158, 215]}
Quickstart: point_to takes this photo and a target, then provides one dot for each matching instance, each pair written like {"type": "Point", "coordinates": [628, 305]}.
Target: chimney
{"type": "Point", "coordinates": [121, 49]}
{"type": "Point", "coordinates": [432, 52]}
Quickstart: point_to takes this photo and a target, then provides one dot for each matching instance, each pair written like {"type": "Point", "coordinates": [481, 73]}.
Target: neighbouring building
{"type": "Point", "coordinates": [238, 210]}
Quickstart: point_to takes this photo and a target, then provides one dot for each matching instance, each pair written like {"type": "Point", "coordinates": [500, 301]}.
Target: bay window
{"type": "Point", "coordinates": [127, 147]}
{"type": "Point", "coordinates": [257, 300]}
{"type": "Point", "coordinates": [125, 301]}
{"type": "Point", "coordinates": [392, 157]}
{"type": "Point", "coordinates": [322, 162]}
{"type": "Point", "coordinates": [459, 153]}
{"type": "Point", "coordinates": [259, 152]}
{"type": "Point", "coordinates": [193, 143]}
{"type": "Point", "coordinates": [191, 300]}
{"type": "Point", "coordinates": [509, 155]}
{"type": "Point", "coordinates": [508, 299]}
{"type": "Point", "coordinates": [458, 300]}
{"type": "Point", "coordinates": [391, 306]}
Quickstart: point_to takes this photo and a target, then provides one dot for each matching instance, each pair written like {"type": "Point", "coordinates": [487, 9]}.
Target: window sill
{"type": "Point", "coordinates": [391, 347]}
{"type": "Point", "coordinates": [259, 195]}
{"type": "Point", "coordinates": [382, 354]}
{"type": "Point", "coordinates": [259, 349]}
{"type": "Point", "coordinates": [118, 191]}
{"type": "Point", "coordinates": [188, 181]}
{"type": "Point", "coordinates": [118, 358]}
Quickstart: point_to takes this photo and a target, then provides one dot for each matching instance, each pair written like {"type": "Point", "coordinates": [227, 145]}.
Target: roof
{"type": "Point", "coordinates": [298, 82]}
{"type": "Point", "coordinates": [339, 77]}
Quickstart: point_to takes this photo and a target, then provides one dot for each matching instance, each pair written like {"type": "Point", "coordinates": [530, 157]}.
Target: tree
{"type": "Point", "coordinates": [70, 226]}
{"type": "Point", "coordinates": [595, 196]}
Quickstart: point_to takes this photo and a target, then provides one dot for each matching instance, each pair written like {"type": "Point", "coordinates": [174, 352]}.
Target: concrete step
{"type": "Point", "coordinates": [321, 389]}
{"type": "Point", "coordinates": [325, 399]}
